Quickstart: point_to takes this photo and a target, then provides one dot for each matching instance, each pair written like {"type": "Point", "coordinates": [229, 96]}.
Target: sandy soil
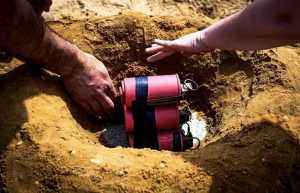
{"type": "Point", "coordinates": [91, 9]}
{"type": "Point", "coordinates": [250, 101]}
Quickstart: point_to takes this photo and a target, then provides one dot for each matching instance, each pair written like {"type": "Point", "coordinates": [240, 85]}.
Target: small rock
{"type": "Point", "coordinates": [121, 172]}
{"type": "Point", "coordinates": [244, 172]}
{"type": "Point", "coordinates": [263, 160]}
{"type": "Point", "coordinates": [73, 152]}
{"type": "Point", "coordinates": [162, 165]}
{"type": "Point", "coordinates": [37, 182]}
{"type": "Point", "coordinates": [74, 40]}
{"type": "Point", "coordinates": [19, 143]}
{"type": "Point", "coordinates": [89, 26]}
{"type": "Point", "coordinates": [285, 118]}
{"type": "Point", "coordinates": [95, 161]}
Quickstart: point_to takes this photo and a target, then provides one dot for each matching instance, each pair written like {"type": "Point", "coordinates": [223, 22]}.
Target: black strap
{"type": "Point", "coordinates": [145, 134]}
{"type": "Point", "coordinates": [176, 141]}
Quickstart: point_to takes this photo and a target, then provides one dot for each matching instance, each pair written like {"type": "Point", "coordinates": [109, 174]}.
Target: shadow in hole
{"type": "Point", "coordinates": [263, 157]}
{"type": "Point", "coordinates": [233, 64]}
{"type": "Point", "coordinates": [25, 82]}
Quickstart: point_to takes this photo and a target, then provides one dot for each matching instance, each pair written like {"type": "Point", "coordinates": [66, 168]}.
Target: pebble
{"type": "Point", "coordinates": [162, 165]}
{"type": "Point", "coordinates": [95, 161]}
{"type": "Point", "coordinates": [19, 143]}
{"type": "Point", "coordinates": [73, 152]}
{"type": "Point", "coordinates": [89, 26]}
{"type": "Point", "coordinates": [244, 172]}
{"type": "Point", "coordinates": [121, 172]}
{"type": "Point", "coordinates": [285, 118]}
{"type": "Point", "coordinates": [263, 160]}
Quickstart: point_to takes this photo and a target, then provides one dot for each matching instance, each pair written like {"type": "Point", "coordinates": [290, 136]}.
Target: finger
{"type": "Point", "coordinates": [158, 48]}
{"type": "Point", "coordinates": [187, 54]}
{"type": "Point", "coordinates": [153, 45]}
{"type": "Point", "coordinates": [97, 107]}
{"type": "Point", "coordinates": [108, 106]}
{"type": "Point", "coordinates": [166, 43]}
{"type": "Point", "coordinates": [88, 108]}
{"type": "Point", "coordinates": [159, 56]}
{"type": "Point", "coordinates": [112, 94]}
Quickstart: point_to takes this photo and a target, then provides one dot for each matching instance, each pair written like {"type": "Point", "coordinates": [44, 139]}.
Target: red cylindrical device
{"type": "Point", "coordinates": [158, 87]}
{"type": "Point", "coordinates": [166, 117]}
{"type": "Point", "coordinates": [165, 140]}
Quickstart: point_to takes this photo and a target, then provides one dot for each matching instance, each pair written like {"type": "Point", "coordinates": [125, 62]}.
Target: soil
{"type": "Point", "coordinates": [249, 100]}
{"type": "Point", "coordinates": [92, 9]}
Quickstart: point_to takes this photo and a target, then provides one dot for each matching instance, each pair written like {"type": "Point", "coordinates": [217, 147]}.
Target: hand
{"type": "Point", "coordinates": [91, 87]}
{"type": "Point", "coordinates": [41, 5]}
{"type": "Point", "coordinates": [188, 45]}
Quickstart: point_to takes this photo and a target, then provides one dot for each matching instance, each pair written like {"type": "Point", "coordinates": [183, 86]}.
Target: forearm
{"type": "Point", "coordinates": [25, 35]}
{"type": "Point", "coordinates": [263, 24]}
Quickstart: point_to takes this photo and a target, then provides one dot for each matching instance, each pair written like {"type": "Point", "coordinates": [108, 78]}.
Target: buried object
{"type": "Point", "coordinates": [151, 114]}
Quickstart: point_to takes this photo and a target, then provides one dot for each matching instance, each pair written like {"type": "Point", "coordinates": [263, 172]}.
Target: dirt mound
{"type": "Point", "coordinates": [250, 100]}
{"type": "Point", "coordinates": [91, 9]}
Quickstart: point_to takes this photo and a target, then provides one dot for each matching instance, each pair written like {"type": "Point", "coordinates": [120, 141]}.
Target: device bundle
{"type": "Point", "coordinates": [151, 114]}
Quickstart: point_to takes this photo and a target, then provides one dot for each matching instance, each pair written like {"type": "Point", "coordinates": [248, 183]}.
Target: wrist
{"type": "Point", "coordinates": [75, 62]}
{"type": "Point", "coordinates": [203, 43]}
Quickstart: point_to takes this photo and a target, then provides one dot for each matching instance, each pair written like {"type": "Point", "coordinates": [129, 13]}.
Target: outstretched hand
{"type": "Point", "coordinates": [188, 45]}
{"type": "Point", "coordinates": [91, 87]}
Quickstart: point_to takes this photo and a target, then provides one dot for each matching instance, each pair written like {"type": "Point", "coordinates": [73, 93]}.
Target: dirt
{"type": "Point", "coordinates": [250, 101]}
{"type": "Point", "coordinates": [92, 9]}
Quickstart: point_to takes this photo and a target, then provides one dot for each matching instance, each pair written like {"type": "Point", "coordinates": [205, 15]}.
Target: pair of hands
{"type": "Point", "coordinates": [91, 87]}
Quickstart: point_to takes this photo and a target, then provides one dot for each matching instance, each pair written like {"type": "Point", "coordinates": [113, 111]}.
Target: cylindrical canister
{"type": "Point", "coordinates": [158, 87]}
{"type": "Point", "coordinates": [165, 140]}
{"type": "Point", "coordinates": [166, 117]}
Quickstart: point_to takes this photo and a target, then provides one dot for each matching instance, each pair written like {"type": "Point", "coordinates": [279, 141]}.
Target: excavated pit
{"type": "Point", "coordinates": [249, 100]}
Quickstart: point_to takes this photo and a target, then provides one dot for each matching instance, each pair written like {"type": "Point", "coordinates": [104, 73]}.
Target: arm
{"type": "Point", "coordinates": [263, 24]}
{"type": "Point", "coordinates": [25, 35]}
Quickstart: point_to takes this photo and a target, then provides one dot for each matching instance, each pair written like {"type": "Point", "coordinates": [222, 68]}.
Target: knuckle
{"type": "Point", "coordinates": [110, 107]}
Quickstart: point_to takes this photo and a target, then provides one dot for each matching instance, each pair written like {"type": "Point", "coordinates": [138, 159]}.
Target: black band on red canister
{"type": "Point", "coordinates": [176, 141]}
{"type": "Point", "coordinates": [141, 88]}
{"type": "Point", "coordinates": [145, 134]}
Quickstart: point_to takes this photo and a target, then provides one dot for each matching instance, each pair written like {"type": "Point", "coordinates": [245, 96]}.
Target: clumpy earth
{"type": "Point", "coordinates": [250, 101]}
{"type": "Point", "coordinates": [216, 9]}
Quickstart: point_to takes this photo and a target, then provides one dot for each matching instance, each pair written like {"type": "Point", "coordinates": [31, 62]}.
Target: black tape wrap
{"type": "Point", "coordinates": [145, 134]}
